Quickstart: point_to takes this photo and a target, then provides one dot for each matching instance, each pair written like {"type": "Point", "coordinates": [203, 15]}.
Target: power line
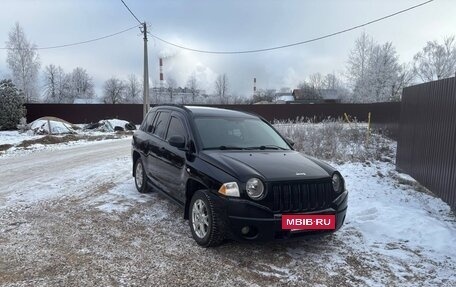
{"type": "Point", "coordinates": [78, 43]}
{"type": "Point", "coordinates": [132, 14]}
{"type": "Point", "coordinates": [293, 44]}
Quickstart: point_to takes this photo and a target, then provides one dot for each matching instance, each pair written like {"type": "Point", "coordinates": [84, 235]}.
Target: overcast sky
{"type": "Point", "coordinates": [219, 25]}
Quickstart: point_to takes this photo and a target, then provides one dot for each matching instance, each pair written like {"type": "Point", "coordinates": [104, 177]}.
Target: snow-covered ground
{"type": "Point", "coordinates": [71, 216]}
{"type": "Point", "coordinates": [15, 137]}
{"type": "Point", "coordinates": [12, 143]}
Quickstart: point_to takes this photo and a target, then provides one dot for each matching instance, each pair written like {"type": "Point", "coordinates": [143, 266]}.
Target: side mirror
{"type": "Point", "coordinates": [150, 128]}
{"type": "Point", "coordinates": [290, 141]}
{"type": "Point", "coordinates": [177, 141]}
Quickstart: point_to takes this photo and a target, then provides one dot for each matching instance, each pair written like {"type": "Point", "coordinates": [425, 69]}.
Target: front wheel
{"type": "Point", "coordinates": [205, 224]}
{"type": "Point", "coordinates": [140, 177]}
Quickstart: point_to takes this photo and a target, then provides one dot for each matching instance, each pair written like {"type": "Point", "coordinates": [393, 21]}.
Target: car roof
{"type": "Point", "coordinates": [202, 111]}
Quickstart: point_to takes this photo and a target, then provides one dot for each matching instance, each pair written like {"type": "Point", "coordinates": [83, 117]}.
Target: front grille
{"type": "Point", "coordinates": [301, 197]}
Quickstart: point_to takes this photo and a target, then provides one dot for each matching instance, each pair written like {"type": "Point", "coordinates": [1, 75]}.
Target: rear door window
{"type": "Point", "coordinates": [147, 125]}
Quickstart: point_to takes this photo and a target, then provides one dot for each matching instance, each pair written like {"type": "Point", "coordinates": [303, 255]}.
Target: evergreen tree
{"type": "Point", "coordinates": [11, 105]}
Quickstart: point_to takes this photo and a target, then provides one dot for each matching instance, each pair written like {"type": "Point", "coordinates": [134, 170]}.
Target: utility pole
{"type": "Point", "coordinates": [146, 102]}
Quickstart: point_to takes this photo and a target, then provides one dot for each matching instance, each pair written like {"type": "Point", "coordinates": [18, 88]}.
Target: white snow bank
{"type": "Point", "coordinates": [15, 137]}
{"type": "Point", "coordinates": [387, 212]}
{"type": "Point", "coordinates": [116, 123]}
{"type": "Point", "coordinates": [110, 125]}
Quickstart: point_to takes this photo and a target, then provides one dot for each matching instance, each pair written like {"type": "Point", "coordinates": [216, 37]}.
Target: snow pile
{"type": "Point", "coordinates": [111, 125]}
{"type": "Point", "coordinates": [51, 125]}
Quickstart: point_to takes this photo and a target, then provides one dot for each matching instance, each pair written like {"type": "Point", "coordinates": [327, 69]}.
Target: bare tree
{"type": "Point", "coordinates": [50, 85]}
{"type": "Point", "coordinates": [133, 90]}
{"type": "Point", "coordinates": [192, 84]}
{"type": "Point", "coordinates": [307, 92]}
{"type": "Point", "coordinates": [24, 63]}
{"type": "Point", "coordinates": [114, 89]}
{"type": "Point", "coordinates": [221, 88]}
{"type": "Point", "coordinates": [405, 78]}
{"type": "Point", "coordinates": [316, 81]}
{"type": "Point", "coordinates": [331, 81]}
{"type": "Point", "coordinates": [264, 95]}
{"type": "Point", "coordinates": [81, 84]}
{"type": "Point", "coordinates": [436, 61]}
{"type": "Point", "coordinates": [171, 86]}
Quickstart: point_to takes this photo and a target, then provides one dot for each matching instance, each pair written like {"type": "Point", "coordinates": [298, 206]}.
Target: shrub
{"type": "Point", "coordinates": [11, 105]}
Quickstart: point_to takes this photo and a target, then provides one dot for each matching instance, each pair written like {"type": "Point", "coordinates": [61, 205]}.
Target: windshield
{"type": "Point", "coordinates": [238, 133]}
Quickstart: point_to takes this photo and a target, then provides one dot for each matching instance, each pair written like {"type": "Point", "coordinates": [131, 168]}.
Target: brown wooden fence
{"type": "Point", "coordinates": [384, 116]}
{"type": "Point", "coordinates": [427, 137]}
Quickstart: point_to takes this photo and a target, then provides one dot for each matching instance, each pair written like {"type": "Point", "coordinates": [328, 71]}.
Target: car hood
{"type": "Point", "coordinates": [270, 165]}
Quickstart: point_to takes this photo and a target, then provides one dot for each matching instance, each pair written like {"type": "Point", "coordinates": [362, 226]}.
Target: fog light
{"type": "Point", "coordinates": [245, 230]}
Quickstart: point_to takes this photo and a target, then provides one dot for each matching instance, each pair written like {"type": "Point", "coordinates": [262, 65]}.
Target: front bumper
{"type": "Point", "coordinates": [264, 224]}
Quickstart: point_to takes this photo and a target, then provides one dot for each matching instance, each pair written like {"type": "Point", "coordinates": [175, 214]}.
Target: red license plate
{"type": "Point", "coordinates": [295, 222]}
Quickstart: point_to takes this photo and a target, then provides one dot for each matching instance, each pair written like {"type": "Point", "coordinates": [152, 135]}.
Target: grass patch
{"type": "Point", "coordinates": [337, 141]}
{"type": "Point", "coordinates": [4, 147]}
{"type": "Point", "coordinates": [49, 140]}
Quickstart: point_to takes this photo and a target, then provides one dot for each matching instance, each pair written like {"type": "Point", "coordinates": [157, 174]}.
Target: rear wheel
{"type": "Point", "coordinates": [140, 177]}
{"type": "Point", "coordinates": [205, 223]}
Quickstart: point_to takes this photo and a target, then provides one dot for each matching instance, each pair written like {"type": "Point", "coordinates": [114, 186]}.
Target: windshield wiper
{"type": "Point", "coordinates": [225, 147]}
{"type": "Point", "coordinates": [263, 147]}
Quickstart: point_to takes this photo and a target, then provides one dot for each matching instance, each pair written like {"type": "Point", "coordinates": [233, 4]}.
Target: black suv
{"type": "Point", "coordinates": [234, 175]}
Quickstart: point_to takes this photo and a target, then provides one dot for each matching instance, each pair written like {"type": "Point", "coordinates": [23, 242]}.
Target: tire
{"type": "Point", "coordinates": [140, 177]}
{"type": "Point", "coordinates": [209, 232]}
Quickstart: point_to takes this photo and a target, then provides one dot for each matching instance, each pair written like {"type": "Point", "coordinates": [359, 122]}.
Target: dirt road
{"type": "Point", "coordinates": [72, 217]}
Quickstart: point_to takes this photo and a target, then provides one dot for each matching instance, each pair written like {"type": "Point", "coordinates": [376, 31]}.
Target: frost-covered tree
{"type": "Point", "coordinates": [333, 82]}
{"type": "Point", "coordinates": [192, 85]}
{"type": "Point", "coordinates": [358, 59]}
{"type": "Point", "coordinates": [405, 78]}
{"type": "Point", "coordinates": [11, 105]}
{"type": "Point", "coordinates": [264, 95]}
{"type": "Point", "coordinates": [50, 86]}
{"type": "Point", "coordinates": [307, 91]}
{"type": "Point", "coordinates": [81, 84]}
{"type": "Point", "coordinates": [382, 74]}
{"type": "Point", "coordinates": [316, 81]}
{"type": "Point", "coordinates": [57, 85]}
{"type": "Point", "coordinates": [436, 61]}
{"type": "Point", "coordinates": [221, 88]}
{"type": "Point", "coordinates": [133, 90]}
{"type": "Point", "coordinates": [171, 85]}
{"type": "Point", "coordinates": [23, 62]}
{"type": "Point", "coordinates": [374, 72]}
{"type": "Point", "coordinates": [114, 91]}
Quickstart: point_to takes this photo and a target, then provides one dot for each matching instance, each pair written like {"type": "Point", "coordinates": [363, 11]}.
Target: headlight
{"type": "Point", "coordinates": [229, 189]}
{"type": "Point", "coordinates": [337, 182]}
{"type": "Point", "coordinates": [255, 188]}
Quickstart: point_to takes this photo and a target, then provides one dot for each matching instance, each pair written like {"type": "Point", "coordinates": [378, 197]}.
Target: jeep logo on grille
{"type": "Point", "coordinates": [300, 173]}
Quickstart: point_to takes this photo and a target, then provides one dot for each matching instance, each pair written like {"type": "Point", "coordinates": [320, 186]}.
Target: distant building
{"type": "Point", "coordinates": [87, 101]}
{"type": "Point", "coordinates": [313, 96]}
{"type": "Point", "coordinates": [178, 96]}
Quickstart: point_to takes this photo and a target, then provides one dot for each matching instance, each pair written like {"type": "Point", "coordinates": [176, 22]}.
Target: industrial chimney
{"type": "Point", "coordinates": [161, 76]}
